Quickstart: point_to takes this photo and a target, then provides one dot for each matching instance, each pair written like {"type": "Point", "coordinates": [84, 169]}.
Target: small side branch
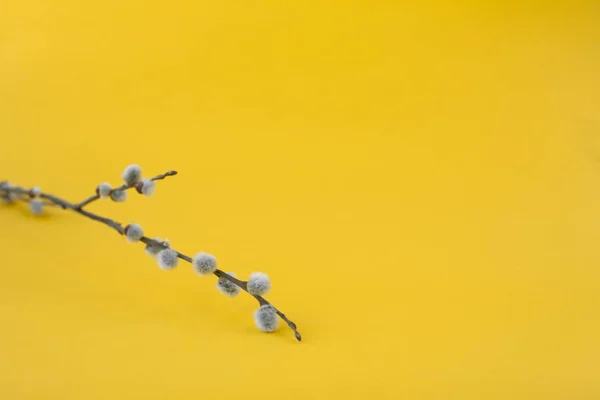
{"type": "Point", "coordinates": [95, 197]}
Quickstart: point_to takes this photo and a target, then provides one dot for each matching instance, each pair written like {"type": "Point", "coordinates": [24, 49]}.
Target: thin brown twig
{"type": "Point", "coordinates": [25, 195]}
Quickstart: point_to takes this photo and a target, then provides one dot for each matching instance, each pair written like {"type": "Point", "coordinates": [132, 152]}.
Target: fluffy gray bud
{"type": "Point", "coordinates": [259, 284]}
{"type": "Point", "coordinates": [147, 187]}
{"type": "Point", "coordinates": [132, 174]}
{"type": "Point", "coordinates": [36, 206]}
{"type": "Point", "coordinates": [167, 259]}
{"type": "Point", "coordinates": [266, 318]}
{"type": "Point", "coordinates": [226, 287]}
{"type": "Point", "coordinates": [152, 250]}
{"type": "Point", "coordinates": [204, 263]}
{"type": "Point", "coordinates": [134, 232]}
{"type": "Point", "coordinates": [118, 195]}
{"type": "Point", "coordinates": [103, 190]}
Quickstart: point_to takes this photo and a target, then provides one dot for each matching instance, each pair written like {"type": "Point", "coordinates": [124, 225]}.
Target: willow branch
{"type": "Point", "coordinates": [21, 194]}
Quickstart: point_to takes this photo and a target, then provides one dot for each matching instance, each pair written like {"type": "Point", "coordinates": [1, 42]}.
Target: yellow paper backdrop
{"type": "Point", "coordinates": [420, 182]}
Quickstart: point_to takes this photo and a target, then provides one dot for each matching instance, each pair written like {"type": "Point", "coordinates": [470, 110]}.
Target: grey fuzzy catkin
{"type": "Point", "coordinates": [36, 206]}
{"type": "Point", "coordinates": [148, 187]}
{"type": "Point", "coordinates": [167, 259]}
{"type": "Point", "coordinates": [259, 284]}
{"type": "Point", "coordinates": [152, 250]}
{"type": "Point", "coordinates": [132, 174]}
{"type": "Point", "coordinates": [103, 190]}
{"type": "Point", "coordinates": [118, 195]}
{"type": "Point", "coordinates": [228, 288]}
{"type": "Point", "coordinates": [134, 232]}
{"type": "Point", "coordinates": [266, 318]}
{"type": "Point", "coordinates": [204, 263]}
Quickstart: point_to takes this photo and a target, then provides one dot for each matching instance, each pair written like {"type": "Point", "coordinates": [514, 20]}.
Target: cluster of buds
{"type": "Point", "coordinates": [132, 176]}
{"type": "Point", "coordinates": [11, 194]}
{"type": "Point", "coordinates": [203, 263]}
{"type": "Point", "coordinates": [8, 192]}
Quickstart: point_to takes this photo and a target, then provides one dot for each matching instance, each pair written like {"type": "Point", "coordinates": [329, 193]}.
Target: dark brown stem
{"type": "Point", "coordinates": [24, 195]}
{"type": "Point", "coordinates": [95, 197]}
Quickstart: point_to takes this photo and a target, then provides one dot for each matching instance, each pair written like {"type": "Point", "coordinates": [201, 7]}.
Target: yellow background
{"type": "Point", "coordinates": [420, 182]}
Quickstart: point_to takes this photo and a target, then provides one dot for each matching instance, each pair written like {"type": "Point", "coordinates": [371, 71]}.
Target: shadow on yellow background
{"type": "Point", "coordinates": [420, 182]}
